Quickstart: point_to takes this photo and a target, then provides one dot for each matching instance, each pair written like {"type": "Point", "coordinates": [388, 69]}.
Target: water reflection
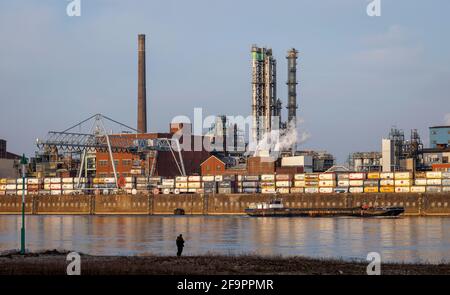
{"type": "Point", "coordinates": [401, 240]}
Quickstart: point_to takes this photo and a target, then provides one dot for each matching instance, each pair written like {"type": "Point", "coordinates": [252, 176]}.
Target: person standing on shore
{"type": "Point", "coordinates": [180, 244]}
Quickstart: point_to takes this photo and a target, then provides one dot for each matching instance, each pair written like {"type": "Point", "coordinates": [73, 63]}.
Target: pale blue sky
{"type": "Point", "coordinates": [358, 75]}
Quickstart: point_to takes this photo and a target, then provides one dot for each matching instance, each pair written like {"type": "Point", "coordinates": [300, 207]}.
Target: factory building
{"type": "Point", "coordinates": [439, 137]}
{"type": "Point", "coordinates": [9, 162]}
{"type": "Point", "coordinates": [365, 161]}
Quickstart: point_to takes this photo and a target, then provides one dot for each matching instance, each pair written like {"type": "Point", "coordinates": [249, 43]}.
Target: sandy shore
{"type": "Point", "coordinates": [54, 263]}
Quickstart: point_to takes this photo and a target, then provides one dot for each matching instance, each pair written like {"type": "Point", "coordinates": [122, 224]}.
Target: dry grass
{"type": "Point", "coordinates": [54, 263]}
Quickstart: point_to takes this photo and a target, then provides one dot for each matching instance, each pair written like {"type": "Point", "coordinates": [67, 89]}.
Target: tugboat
{"type": "Point", "coordinates": [275, 208]}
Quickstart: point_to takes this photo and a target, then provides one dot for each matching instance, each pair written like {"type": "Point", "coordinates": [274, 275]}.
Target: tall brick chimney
{"type": "Point", "coordinates": [142, 96]}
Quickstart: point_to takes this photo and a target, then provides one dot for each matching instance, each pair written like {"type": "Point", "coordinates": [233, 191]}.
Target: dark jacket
{"type": "Point", "coordinates": [180, 242]}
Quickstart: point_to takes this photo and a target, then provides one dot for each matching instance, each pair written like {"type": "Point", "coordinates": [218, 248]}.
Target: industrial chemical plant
{"type": "Point", "coordinates": [134, 160]}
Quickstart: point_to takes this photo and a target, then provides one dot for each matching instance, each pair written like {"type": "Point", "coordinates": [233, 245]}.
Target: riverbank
{"type": "Point", "coordinates": [54, 263]}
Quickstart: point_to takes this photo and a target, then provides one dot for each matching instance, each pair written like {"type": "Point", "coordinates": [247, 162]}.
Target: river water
{"type": "Point", "coordinates": [406, 239]}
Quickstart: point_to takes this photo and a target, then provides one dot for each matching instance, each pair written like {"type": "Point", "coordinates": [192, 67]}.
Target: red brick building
{"type": "Point", "coordinates": [128, 164]}
{"type": "Point", "coordinates": [214, 165]}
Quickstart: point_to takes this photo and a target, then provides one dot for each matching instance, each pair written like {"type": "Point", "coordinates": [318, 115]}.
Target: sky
{"type": "Point", "coordinates": [358, 75]}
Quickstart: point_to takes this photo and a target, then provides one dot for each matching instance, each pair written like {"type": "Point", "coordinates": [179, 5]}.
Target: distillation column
{"type": "Point", "coordinates": [292, 91]}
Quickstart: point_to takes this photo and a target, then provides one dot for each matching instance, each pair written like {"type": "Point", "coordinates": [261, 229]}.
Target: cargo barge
{"type": "Point", "coordinates": [275, 208]}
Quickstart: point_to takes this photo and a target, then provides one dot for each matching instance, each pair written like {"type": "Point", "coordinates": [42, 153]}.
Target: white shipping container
{"type": "Point", "coordinates": [109, 180]}
{"type": "Point", "coordinates": [356, 190]}
{"type": "Point", "coordinates": [326, 190]}
{"type": "Point", "coordinates": [129, 179]}
{"type": "Point", "coordinates": [446, 175]}
{"type": "Point", "coordinates": [402, 189]}
{"type": "Point", "coordinates": [311, 190]}
{"type": "Point", "coordinates": [343, 183]}
{"type": "Point", "coordinates": [268, 177]}
{"type": "Point", "coordinates": [299, 176]}
{"type": "Point", "coordinates": [67, 180]}
{"type": "Point", "coordinates": [342, 176]}
{"type": "Point", "coordinates": [446, 182]}
{"type": "Point", "coordinates": [283, 190]}
{"type": "Point", "coordinates": [418, 189]}
{"type": "Point", "coordinates": [19, 180]}
{"type": "Point", "coordinates": [327, 183]}
{"type": "Point", "coordinates": [434, 189]}
{"type": "Point", "coordinates": [268, 191]}
{"type": "Point", "coordinates": [356, 182]}
{"type": "Point", "coordinates": [299, 183]}
{"type": "Point", "coordinates": [67, 186]}
{"type": "Point", "coordinates": [47, 180]}
{"type": "Point", "coordinates": [283, 183]}
{"type": "Point", "coordinates": [55, 186]}
{"type": "Point", "coordinates": [55, 180]}
{"type": "Point", "coordinates": [387, 175]}
{"type": "Point", "coordinates": [194, 178]}
{"type": "Point", "coordinates": [34, 181]}
{"type": "Point", "coordinates": [327, 176]}
{"type": "Point", "coordinates": [47, 186]}
{"type": "Point", "coordinates": [434, 174]}
{"type": "Point", "coordinates": [387, 182]}
{"type": "Point", "coordinates": [55, 192]}
{"type": "Point", "coordinates": [168, 181]}
{"type": "Point", "coordinates": [297, 190]}
{"type": "Point", "coordinates": [219, 178]}
{"type": "Point", "coordinates": [11, 187]}
{"type": "Point", "coordinates": [403, 182]}
{"type": "Point", "coordinates": [403, 175]}
{"type": "Point", "coordinates": [208, 178]}
{"type": "Point", "coordinates": [434, 181]}
{"type": "Point", "coordinates": [69, 192]}
{"type": "Point", "coordinates": [420, 181]}
{"type": "Point", "coordinates": [2, 187]}
{"type": "Point", "coordinates": [446, 189]}
{"type": "Point", "coordinates": [181, 179]}
{"type": "Point", "coordinates": [356, 176]}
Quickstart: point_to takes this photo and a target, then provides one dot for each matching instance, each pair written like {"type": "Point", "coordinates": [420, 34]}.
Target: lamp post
{"type": "Point", "coordinates": [23, 162]}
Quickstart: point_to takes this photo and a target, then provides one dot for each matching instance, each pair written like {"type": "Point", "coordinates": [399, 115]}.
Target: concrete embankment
{"type": "Point", "coordinates": [415, 204]}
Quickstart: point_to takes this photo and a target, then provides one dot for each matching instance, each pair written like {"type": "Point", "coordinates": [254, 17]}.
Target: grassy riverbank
{"type": "Point", "coordinates": [54, 263]}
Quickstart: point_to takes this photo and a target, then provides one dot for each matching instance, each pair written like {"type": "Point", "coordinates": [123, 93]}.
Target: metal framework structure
{"type": "Point", "coordinates": [97, 140]}
{"type": "Point", "coordinates": [153, 146]}
{"type": "Point", "coordinates": [264, 91]}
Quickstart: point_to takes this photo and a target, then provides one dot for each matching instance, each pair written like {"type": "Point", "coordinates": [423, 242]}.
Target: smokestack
{"type": "Point", "coordinates": [142, 95]}
{"type": "Point", "coordinates": [292, 90]}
